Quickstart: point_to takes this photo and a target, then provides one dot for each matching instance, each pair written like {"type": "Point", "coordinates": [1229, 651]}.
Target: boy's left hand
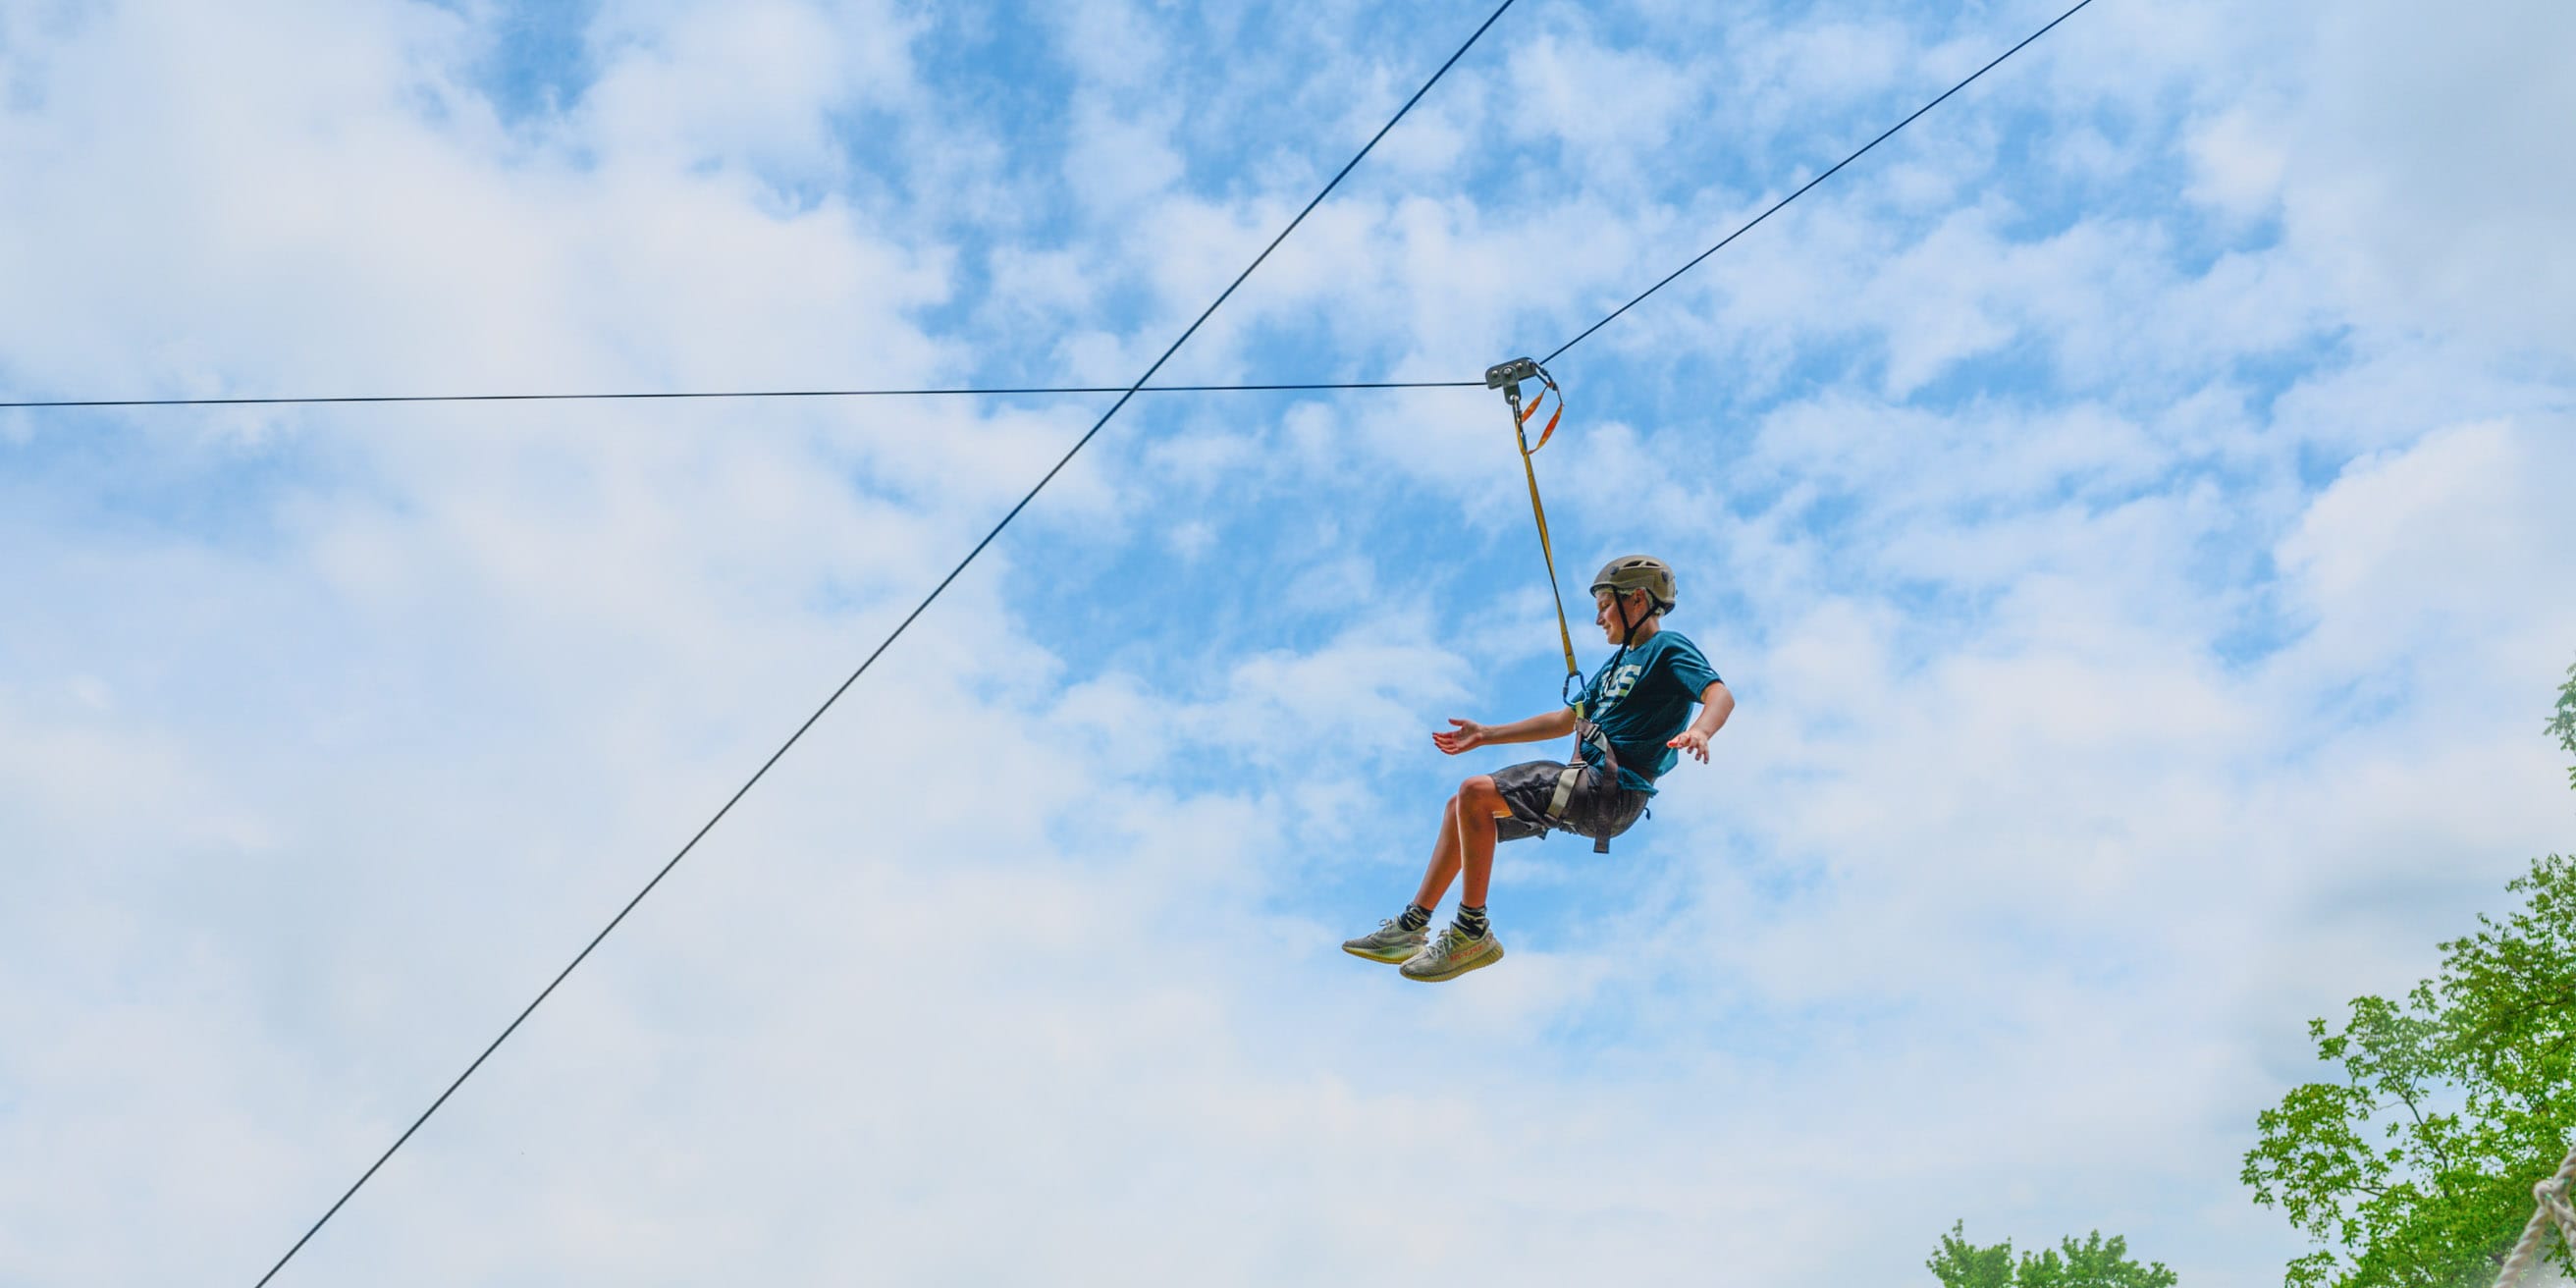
{"type": "Point", "coordinates": [1692, 741]}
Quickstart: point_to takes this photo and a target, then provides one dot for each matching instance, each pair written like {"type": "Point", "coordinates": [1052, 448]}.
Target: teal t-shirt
{"type": "Point", "coordinates": [1643, 699]}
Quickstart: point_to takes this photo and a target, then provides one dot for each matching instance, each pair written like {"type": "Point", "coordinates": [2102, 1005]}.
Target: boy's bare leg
{"type": "Point", "coordinates": [1467, 839]}
{"type": "Point", "coordinates": [1444, 860]}
{"type": "Point", "coordinates": [1479, 804]}
{"type": "Point", "coordinates": [1466, 842]}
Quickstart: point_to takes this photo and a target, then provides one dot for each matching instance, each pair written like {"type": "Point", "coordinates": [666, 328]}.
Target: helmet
{"type": "Point", "coordinates": [1638, 572]}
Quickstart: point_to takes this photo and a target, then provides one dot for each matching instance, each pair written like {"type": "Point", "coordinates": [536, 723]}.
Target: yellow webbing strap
{"type": "Point", "coordinates": [1538, 509]}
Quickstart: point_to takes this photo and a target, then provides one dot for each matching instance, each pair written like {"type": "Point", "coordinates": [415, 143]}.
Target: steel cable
{"type": "Point", "coordinates": [962, 391]}
{"type": "Point", "coordinates": [1802, 188]}
{"type": "Point", "coordinates": [1130, 392]}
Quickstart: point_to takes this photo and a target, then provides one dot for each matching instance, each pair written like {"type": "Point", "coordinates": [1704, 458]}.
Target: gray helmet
{"type": "Point", "coordinates": [1638, 572]}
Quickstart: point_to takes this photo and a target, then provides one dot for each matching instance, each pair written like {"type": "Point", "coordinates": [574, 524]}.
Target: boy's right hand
{"type": "Point", "coordinates": [1467, 736]}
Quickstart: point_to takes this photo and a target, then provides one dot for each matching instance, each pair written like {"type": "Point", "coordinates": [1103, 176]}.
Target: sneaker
{"type": "Point", "coordinates": [1453, 954]}
{"type": "Point", "coordinates": [1389, 943]}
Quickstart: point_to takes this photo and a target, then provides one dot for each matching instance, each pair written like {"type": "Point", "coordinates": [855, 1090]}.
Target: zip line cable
{"type": "Point", "coordinates": [753, 393]}
{"type": "Point", "coordinates": [1124, 396]}
{"type": "Point", "coordinates": [999, 391]}
{"type": "Point", "coordinates": [1130, 392]}
{"type": "Point", "coordinates": [1802, 190]}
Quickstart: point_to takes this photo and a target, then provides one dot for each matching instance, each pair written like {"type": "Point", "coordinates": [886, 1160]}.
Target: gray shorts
{"type": "Point", "coordinates": [1599, 808]}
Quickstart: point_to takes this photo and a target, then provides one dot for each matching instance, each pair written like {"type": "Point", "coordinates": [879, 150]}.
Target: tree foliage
{"type": "Point", "coordinates": [2094, 1263]}
{"type": "Point", "coordinates": [2414, 1169]}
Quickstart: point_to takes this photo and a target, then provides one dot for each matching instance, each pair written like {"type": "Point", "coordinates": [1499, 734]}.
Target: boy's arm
{"type": "Point", "coordinates": [1469, 734]}
{"type": "Point", "coordinates": [1716, 704]}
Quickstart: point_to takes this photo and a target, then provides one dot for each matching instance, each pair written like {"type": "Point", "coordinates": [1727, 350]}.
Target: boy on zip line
{"type": "Point", "coordinates": [1640, 722]}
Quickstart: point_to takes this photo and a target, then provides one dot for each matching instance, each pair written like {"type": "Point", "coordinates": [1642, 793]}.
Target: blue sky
{"type": "Point", "coordinates": [2129, 506]}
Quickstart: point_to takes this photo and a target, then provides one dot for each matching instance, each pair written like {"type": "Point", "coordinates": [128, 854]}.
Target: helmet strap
{"type": "Point", "coordinates": [1627, 627]}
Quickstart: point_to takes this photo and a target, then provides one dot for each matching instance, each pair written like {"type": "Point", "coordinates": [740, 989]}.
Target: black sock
{"type": "Point", "coordinates": [1415, 917]}
{"type": "Point", "coordinates": [1471, 921]}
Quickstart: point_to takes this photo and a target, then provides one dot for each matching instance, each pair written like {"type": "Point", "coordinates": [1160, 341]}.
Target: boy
{"type": "Point", "coordinates": [1640, 702]}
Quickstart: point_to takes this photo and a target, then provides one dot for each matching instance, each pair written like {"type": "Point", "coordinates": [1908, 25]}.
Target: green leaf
{"type": "Point", "coordinates": [1961, 1264]}
{"type": "Point", "coordinates": [2471, 1081]}
{"type": "Point", "coordinates": [2094, 1263]}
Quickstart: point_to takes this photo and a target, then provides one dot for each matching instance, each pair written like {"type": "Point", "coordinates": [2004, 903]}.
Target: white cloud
{"type": "Point", "coordinates": [2426, 163]}
{"type": "Point", "coordinates": [2414, 556]}
{"type": "Point", "coordinates": [2240, 162]}
{"type": "Point", "coordinates": [755, 85]}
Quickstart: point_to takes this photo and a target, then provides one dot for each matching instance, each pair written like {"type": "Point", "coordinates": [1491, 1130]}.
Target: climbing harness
{"type": "Point", "coordinates": [1507, 376]}
{"type": "Point", "coordinates": [2553, 1209]}
{"type": "Point", "coordinates": [1584, 732]}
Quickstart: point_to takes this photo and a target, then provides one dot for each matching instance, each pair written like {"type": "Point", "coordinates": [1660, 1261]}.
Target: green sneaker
{"type": "Point", "coordinates": [1389, 943]}
{"type": "Point", "coordinates": [1453, 954]}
